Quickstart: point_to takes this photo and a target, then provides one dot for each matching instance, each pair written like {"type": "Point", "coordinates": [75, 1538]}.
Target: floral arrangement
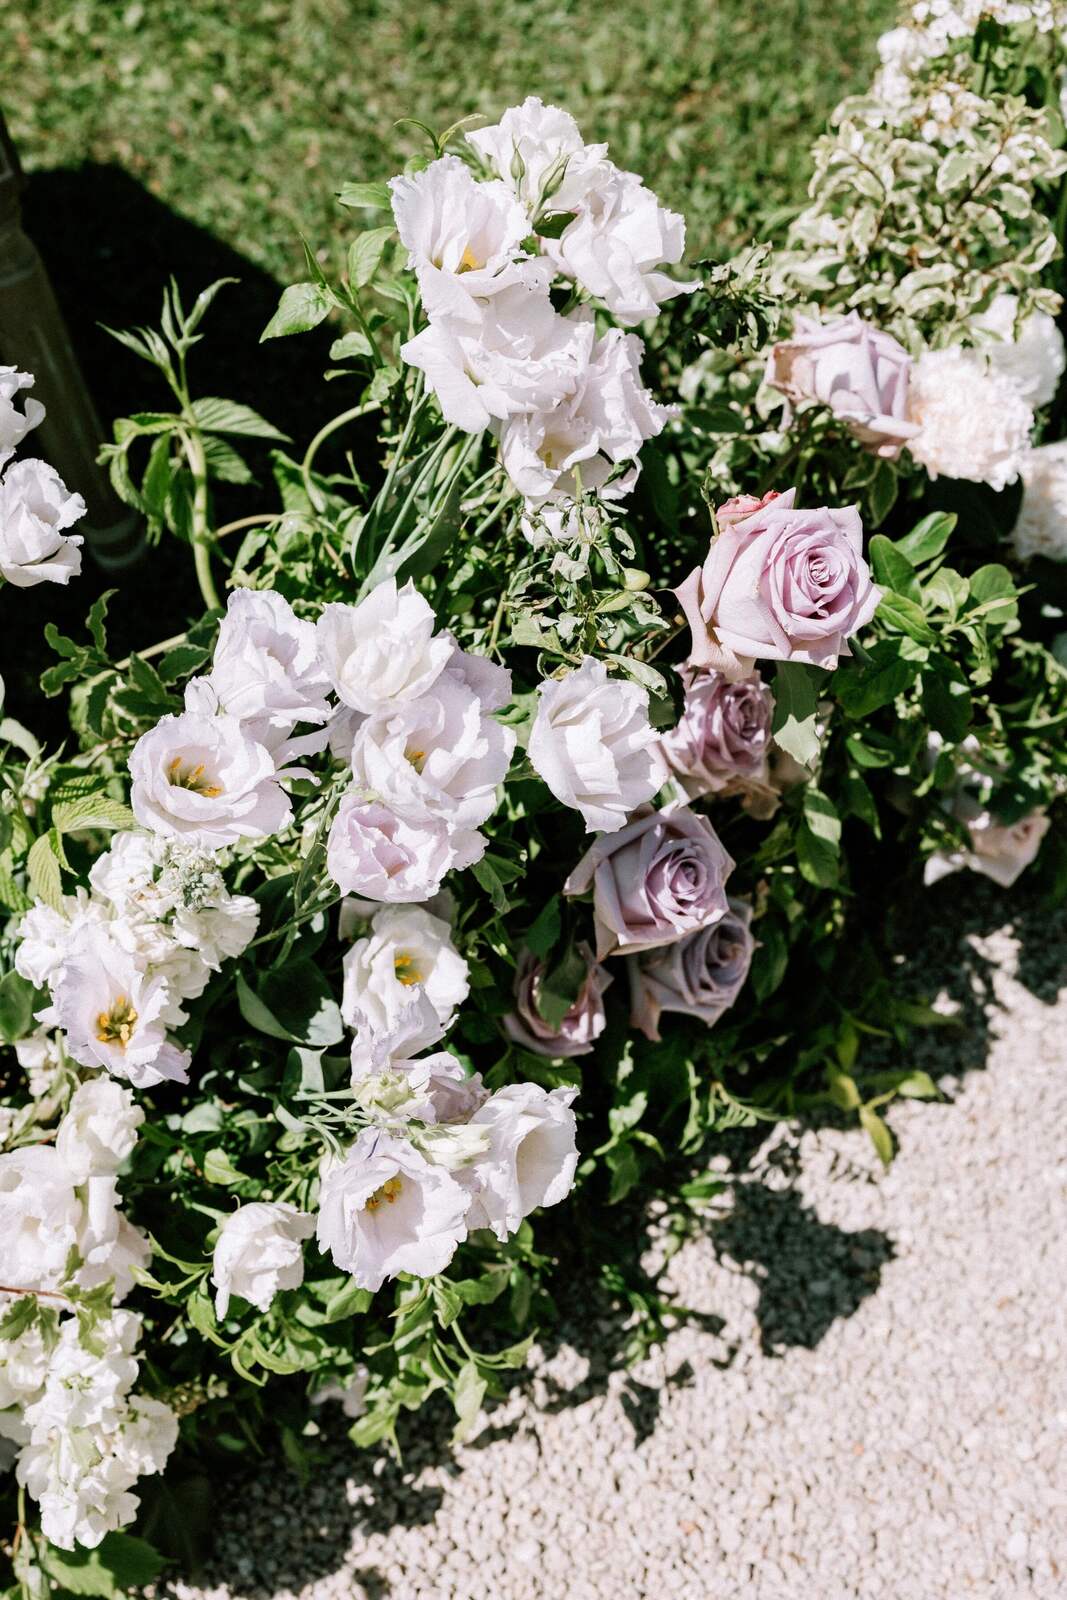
{"type": "Point", "coordinates": [534, 799]}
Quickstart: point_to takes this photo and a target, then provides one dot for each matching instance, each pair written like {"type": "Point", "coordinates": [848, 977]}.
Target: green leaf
{"type": "Point", "coordinates": [349, 346]}
{"type": "Point", "coordinates": [946, 699]}
{"type": "Point", "coordinates": [993, 590]}
{"type": "Point", "coordinates": [97, 613]}
{"type": "Point", "coordinates": [467, 1397]}
{"type": "Point", "coordinates": [819, 839]}
{"type": "Point", "coordinates": [904, 616]}
{"type": "Point", "coordinates": [219, 1168]}
{"type": "Point", "coordinates": [863, 687]}
{"type": "Point", "coordinates": [928, 538]}
{"type": "Point", "coordinates": [365, 254]}
{"type": "Point", "coordinates": [17, 998]}
{"type": "Point", "coordinates": [349, 1301]}
{"type": "Point", "coordinates": [880, 1135]}
{"type": "Point", "coordinates": [544, 930]}
{"type": "Point", "coordinates": [92, 811]}
{"type": "Point", "coordinates": [625, 1169]}
{"type": "Point", "coordinates": [302, 307]}
{"type": "Point", "coordinates": [119, 1564]}
{"type": "Point", "coordinates": [294, 1003]}
{"type": "Point", "coordinates": [227, 416]}
{"type": "Point", "coordinates": [892, 569]}
{"type": "Point", "coordinates": [795, 705]}
{"type": "Point", "coordinates": [371, 195]}
{"type": "Point", "coordinates": [43, 866]}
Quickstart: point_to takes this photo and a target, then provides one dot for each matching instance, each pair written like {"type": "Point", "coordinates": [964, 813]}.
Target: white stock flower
{"type": "Point", "coordinates": [408, 950]}
{"type": "Point", "coordinates": [205, 780]}
{"type": "Point", "coordinates": [435, 759]}
{"type": "Point", "coordinates": [592, 743]}
{"type": "Point", "coordinates": [114, 1014]}
{"type": "Point", "coordinates": [973, 423]}
{"type": "Point", "coordinates": [616, 245]}
{"type": "Point", "coordinates": [23, 1369]}
{"type": "Point", "coordinates": [386, 1209]}
{"type": "Point", "coordinates": [259, 1251]}
{"type": "Point", "coordinates": [39, 1217]}
{"type": "Point", "coordinates": [35, 510]}
{"type": "Point", "coordinates": [16, 424]}
{"type": "Point", "coordinates": [464, 238]}
{"type": "Point", "coordinates": [170, 893]}
{"type": "Point", "coordinates": [41, 1059]}
{"type": "Point", "coordinates": [1041, 526]}
{"type": "Point", "coordinates": [266, 670]}
{"type": "Point", "coordinates": [87, 1383]}
{"type": "Point", "coordinates": [538, 152]}
{"type": "Point", "coordinates": [1033, 360]}
{"type": "Point", "coordinates": [519, 356]}
{"type": "Point", "coordinates": [532, 1155]}
{"type": "Point", "coordinates": [109, 1245]}
{"type": "Point", "coordinates": [373, 852]}
{"type": "Point", "coordinates": [384, 650]}
{"type": "Point", "coordinates": [99, 1129]}
{"type": "Point", "coordinates": [600, 427]}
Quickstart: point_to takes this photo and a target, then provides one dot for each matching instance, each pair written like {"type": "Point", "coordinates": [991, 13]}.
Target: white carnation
{"type": "Point", "coordinates": [973, 423]}
{"type": "Point", "coordinates": [99, 1129]}
{"type": "Point", "coordinates": [407, 950]}
{"type": "Point", "coordinates": [383, 651]}
{"type": "Point", "coordinates": [36, 508]}
{"type": "Point", "coordinates": [592, 743]}
{"type": "Point", "coordinates": [259, 1251]}
{"type": "Point", "coordinates": [40, 1215]}
{"type": "Point", "coordinates": [1041, 526]}
{"type": "Point", "coordinates": [48, 935]}
{"type": "Point", "coordinates": [531, 1159]}
{"type": "Point", "coordinates": [386, 1209]}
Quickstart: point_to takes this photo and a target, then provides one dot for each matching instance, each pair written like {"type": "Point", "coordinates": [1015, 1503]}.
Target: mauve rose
{"type": "Point", "coordinates": [1001, 851]}
{"type": "Point", "coordinates": [856, 370]}
{"type": "Point", "coordinates": [655, 881]}
{"type": "Point", "coordinates": [740, 506]}
{"type": "Point", "coordinates": [783, 584]}
{"type": "Point", "coordinates": [583, 1023]}
{"type": "Point", "coordinates": [700, 976]}
{"type": "Point", "coordinates": [724, 733]}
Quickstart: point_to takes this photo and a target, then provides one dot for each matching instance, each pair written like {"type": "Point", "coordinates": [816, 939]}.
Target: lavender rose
{"type": "Point", "coordinates": [999, 850]}
{"type": "Point", "coordinates": [780, 585]}
{"type": "Point", "coordinates": [724, 734]}
{"type": "Point", "coordinates": [653, 882]}
{"type": "Point", "coordinates": [856, 370]}
{"type": "Point", "coordinates": [583, 1023]}
{"type": "Point", "coordinates": [700, 976]}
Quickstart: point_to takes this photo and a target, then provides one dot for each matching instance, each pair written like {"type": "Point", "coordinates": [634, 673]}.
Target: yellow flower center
{"type": "Point", "coordinates": [468, 261]}
{"type": "Point", "coordinates": [181, 775]}
{"type": "Point", "coordinates": [116, 1024]}
{"type": "Point", "coordinates": [406, 969]}
{"type": "Point", "coordinates": [417, 758]}
{"type": "Point", "coordinates": [388, 1192]}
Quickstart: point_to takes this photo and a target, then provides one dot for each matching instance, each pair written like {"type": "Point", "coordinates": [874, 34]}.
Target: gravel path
{"type": "Point", "coordinates": [876, 1404]}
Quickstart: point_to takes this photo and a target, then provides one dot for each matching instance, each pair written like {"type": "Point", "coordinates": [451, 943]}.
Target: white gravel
{"type": "Point", "coordinates": [882, 1412]}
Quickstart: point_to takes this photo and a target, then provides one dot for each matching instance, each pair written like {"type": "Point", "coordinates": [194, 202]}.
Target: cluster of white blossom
{"type": "Point", "coordinates": [936, 29]}
{"type": "Point", "coordinates": [65, 1387]}
{"type": "Point", "coordinates": [548, 211]}
{"type": "Point", "coordinates": [36, 507]}
{"type": "Point", "coordinates": [120, 960]}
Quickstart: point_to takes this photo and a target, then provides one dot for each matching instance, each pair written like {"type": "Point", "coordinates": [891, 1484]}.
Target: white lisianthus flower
{"type": "Point", "coordinates": [1033, 359]}
{"type": "Point", "coordinates": [384, 650]}
{"type": "Point", "coordinates": [205, 780]}
{"type": "Point", "coordinates": [99, 1129]}
{"type": "Point", "coordinates": [47, 936]}
{"type": "Point", "coordinates": [408, 950]}
{"type": "Point", "coordinates": [532, 1155]}
{"type": "Point", "coordinates": [266, 670]}
{"type": "Point", "coordinates": [593, 745]}
{"type": "Point", "coordinates": [616, 245]}
{"type": "Point", "coordinates": [259, 1251]}
{"type": "Point", "coordinates": [464, 238]}
{"type": "Point", "coordinates": [373, 852]}
{"type": "Point", "coordinates": [973, 423]}
{"type": "Point", "coordinates": [36, 508]}
{"type": "Point", "coordinates": [538, 152]}
{"type": "Point", "coordinates": [40, 1215]}
{"type": "Point", "coordinates": [1041, 526]}
{"type": "Point", "coordinates": [385, 1209]}
{"type": "Point", "coordinates": [114, 1014]}
{"type": "Point", "coordinates": [584, 441]}
{"type": "Point", "coordinates": [438, 758]}
{"type": "Point", "coordinates": [520, 356]}
{"type": "Point", "coordinates": [15, 424]}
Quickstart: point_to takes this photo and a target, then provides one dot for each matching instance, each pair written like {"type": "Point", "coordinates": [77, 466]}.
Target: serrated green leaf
{"type": "Point", "coordinates": [365, 254]}
{"type": "Point", "coordinates": [302, 307]}
{"type": "Point", "coordinates": [227, 416]}
{"type": "Point", "coordinates": [92, 811]}
{"type": "Point", "coordinates": [371, 195]}
{"type": "Point", "coordinates": [42, 863]}
{"type": "Point", "coordinates": [928, 538]}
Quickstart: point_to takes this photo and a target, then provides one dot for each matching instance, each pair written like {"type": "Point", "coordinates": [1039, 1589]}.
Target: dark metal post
{"type": "Point", "coordinates": [33, 337]}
